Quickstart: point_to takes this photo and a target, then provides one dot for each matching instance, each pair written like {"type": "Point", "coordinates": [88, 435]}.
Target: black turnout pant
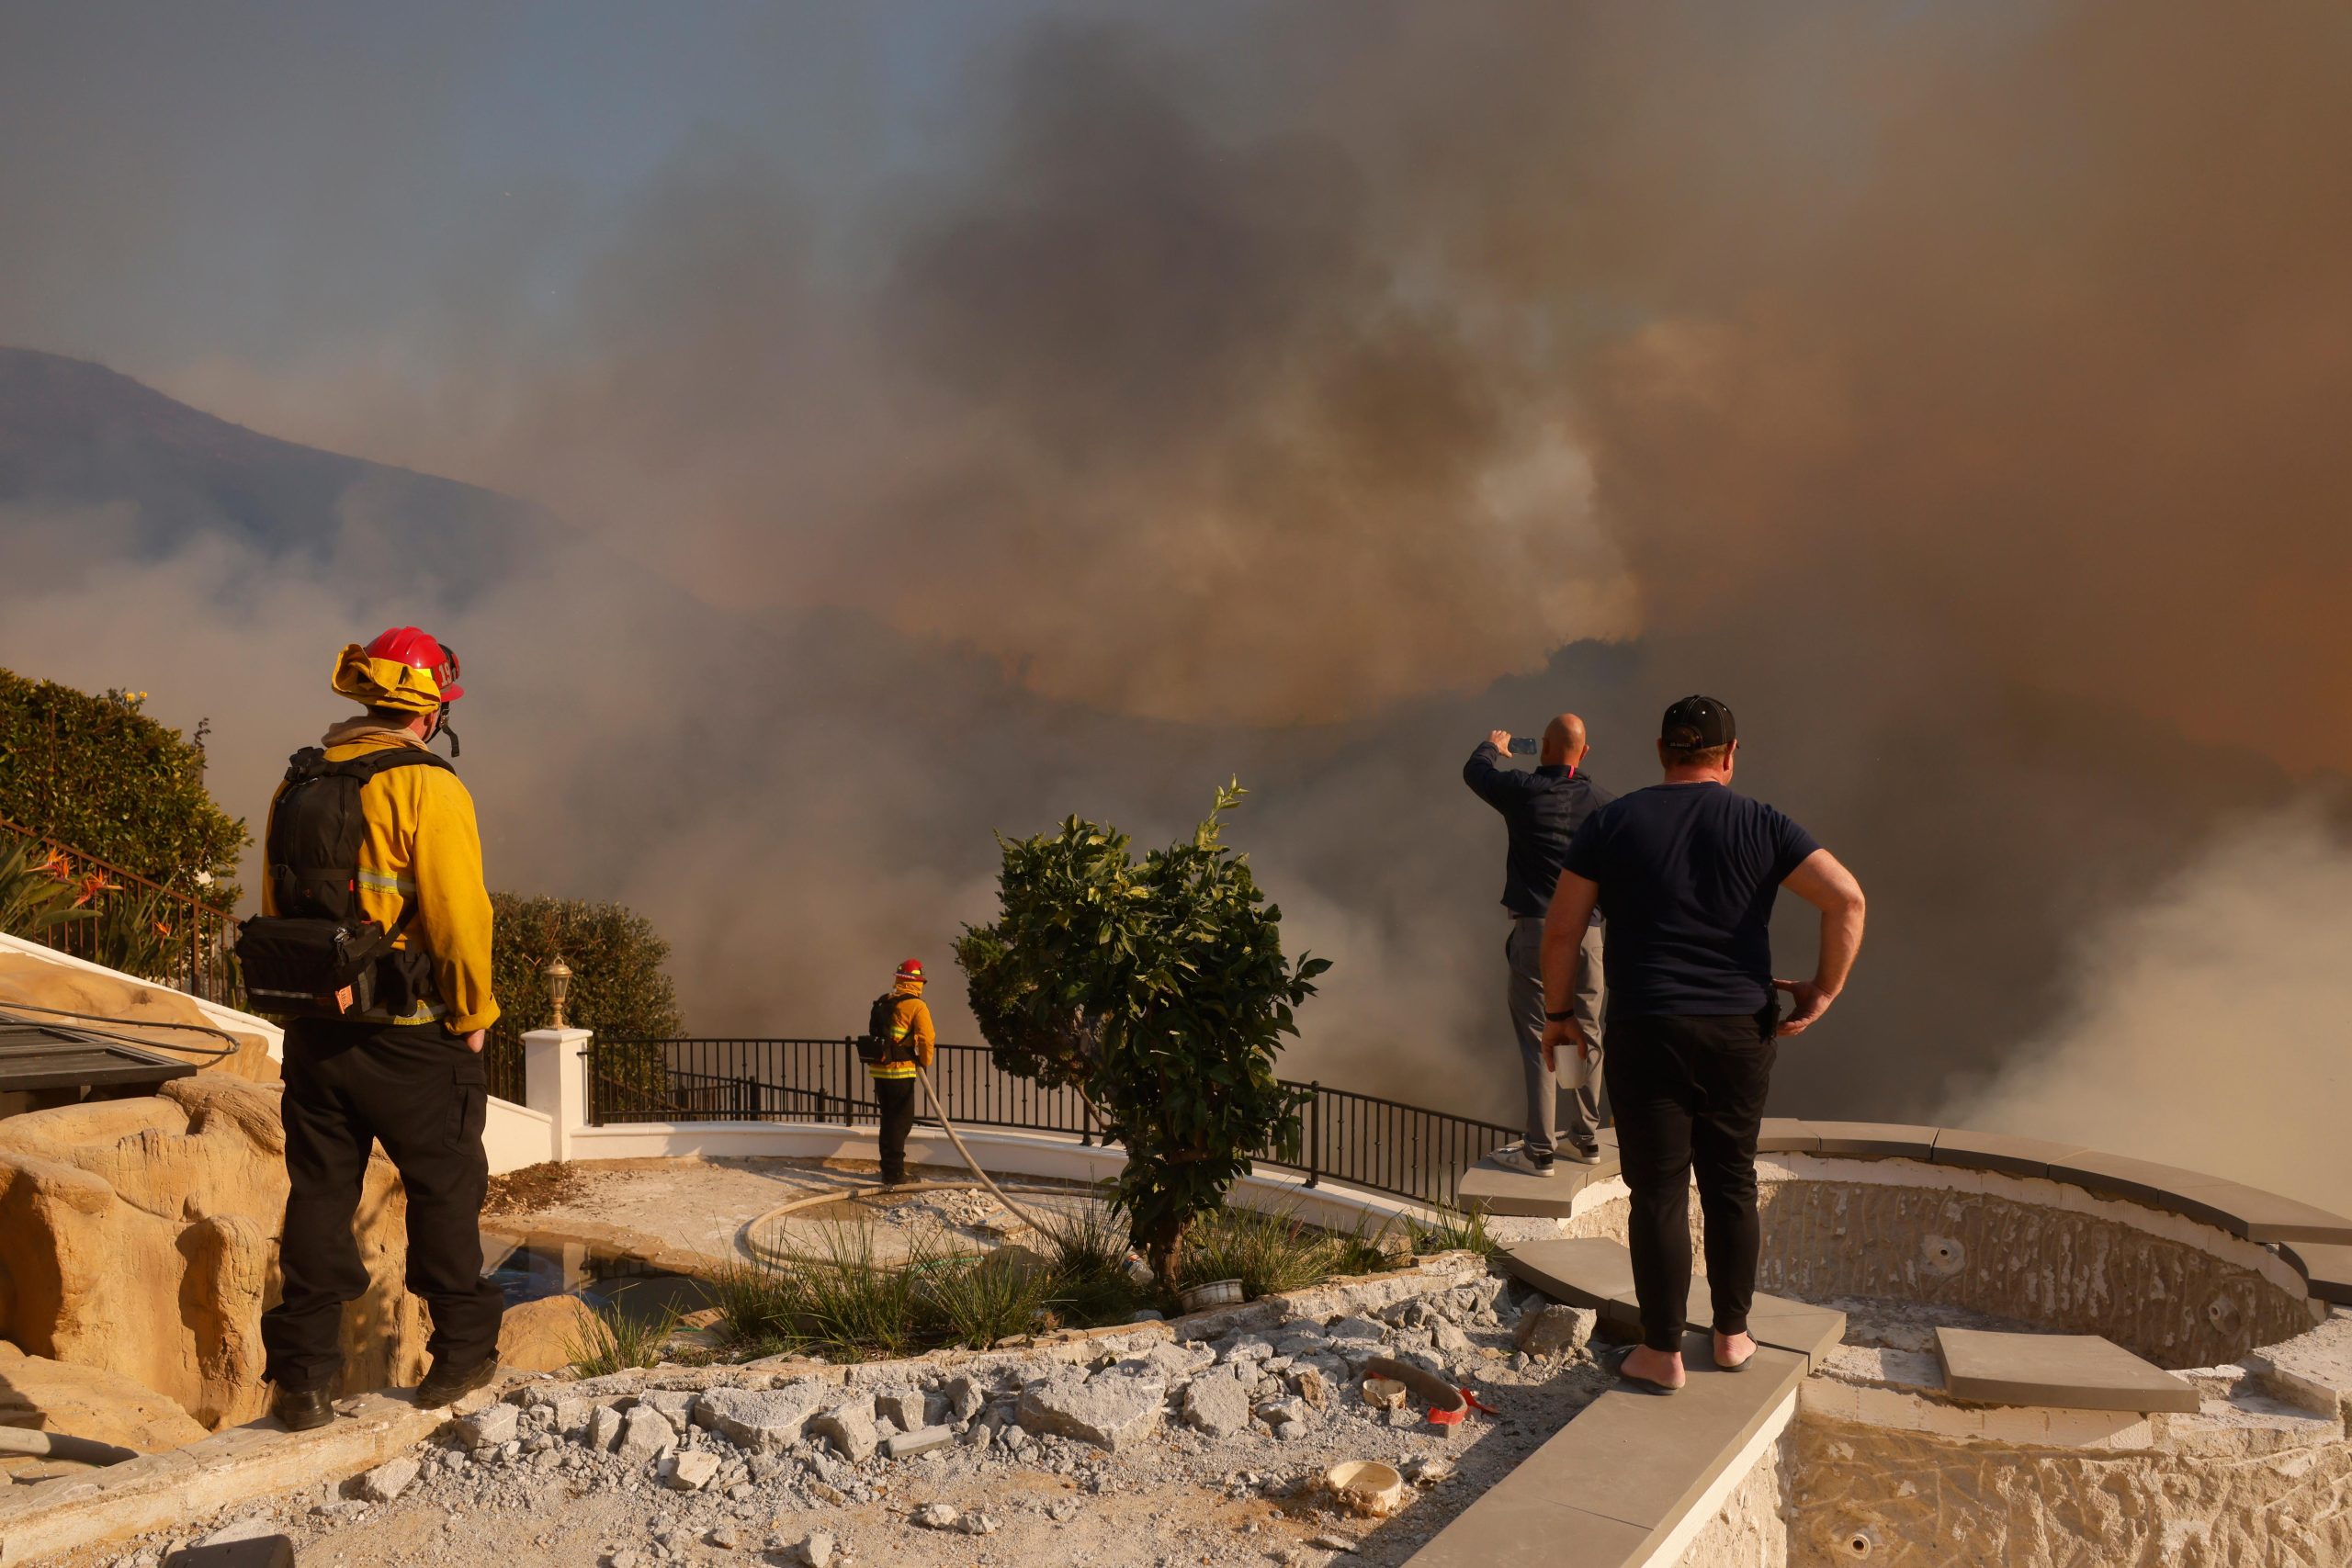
{"type": "Point", "coordinates": [420, 1093]}
{"type": "Point", "coordinates": [897, 1098]}
{"type": "Point", "coordinates": [1689, 1092]}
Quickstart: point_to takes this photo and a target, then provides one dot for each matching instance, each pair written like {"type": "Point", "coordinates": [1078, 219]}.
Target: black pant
{"type": "Point", "coordinates": [1690, 1091]}
{"type": "Point", "coordinates": [897, 1098]}
{"type": "Point", "coordinates": [422, 1095]}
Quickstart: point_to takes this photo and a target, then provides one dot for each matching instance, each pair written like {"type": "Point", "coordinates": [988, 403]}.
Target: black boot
{"type": "Point", "coordinates": [301, 1409]}
{"type": "Point", "coordinates": [447, 1385]}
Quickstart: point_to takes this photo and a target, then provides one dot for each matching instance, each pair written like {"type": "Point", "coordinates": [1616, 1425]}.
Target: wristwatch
{"type": "Point", "coordinates": [1559, 1017]}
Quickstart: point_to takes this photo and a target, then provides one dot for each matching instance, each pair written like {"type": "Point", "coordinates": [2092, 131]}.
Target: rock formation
{"type": "Point", "coordinates": [43, 1395]}
{"type": "Point", "coordinates": [140, 1236]}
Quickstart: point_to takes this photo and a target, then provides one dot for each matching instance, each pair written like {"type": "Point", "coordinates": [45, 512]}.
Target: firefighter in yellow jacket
{"type": "Point", "coordinates": [375, 945]}
{"type": "Point", "coordinates": [900, 1035]}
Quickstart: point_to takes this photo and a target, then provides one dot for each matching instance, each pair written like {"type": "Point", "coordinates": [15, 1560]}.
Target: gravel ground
{"type": "Point", "coordinates": [1150, 1455]}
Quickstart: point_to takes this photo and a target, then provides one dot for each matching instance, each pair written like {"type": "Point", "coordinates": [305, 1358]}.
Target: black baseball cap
{"type": "Point", "coordinates": [1697, 724]}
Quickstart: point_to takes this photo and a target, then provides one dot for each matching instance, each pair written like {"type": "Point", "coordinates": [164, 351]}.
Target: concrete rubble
{"type": "Point", "coordinates": [736, 1448]}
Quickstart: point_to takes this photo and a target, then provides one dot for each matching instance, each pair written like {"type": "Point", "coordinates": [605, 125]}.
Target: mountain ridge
{"type": "Point", "coordinates": [75, 433]}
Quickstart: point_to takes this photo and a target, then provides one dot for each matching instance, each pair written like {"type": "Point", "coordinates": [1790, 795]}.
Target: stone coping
{"type": "Point", "coordinates": [2066, 1371]}
{"type": "Point", "coordinates": [2326, 1269]}
{"type": "Point", "coordinates": [2248, 1213]}
{"type": "Point", "coordinates": [1620, 1485]}
{"type": "Point", "coordinates": [1592, 1271]}
{"type": "Point", "coordinates": [1631, 1479]}
{"type": "Point", "coordinates": [40, 1523]}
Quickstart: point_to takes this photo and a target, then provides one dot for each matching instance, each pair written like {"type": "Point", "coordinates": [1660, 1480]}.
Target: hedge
{"type": "Point", "coordinates": [618, 984]}
{"type": "Point", "coordinates": [96, 774]}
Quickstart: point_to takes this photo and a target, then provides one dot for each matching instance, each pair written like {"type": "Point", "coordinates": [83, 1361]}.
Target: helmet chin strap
{"type": "Point", "coordinates": [441, 726]}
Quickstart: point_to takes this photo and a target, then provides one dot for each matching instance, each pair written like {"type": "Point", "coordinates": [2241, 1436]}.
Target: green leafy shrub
{"type": "Point", "coordinates": [98, 774]}
{"type": "Point", "coordinates": [141, 934]}
{"type": "Point", "coordinates": [620, 987]}
{"type": "Point", "coordinates": [34, 899]}
{"type": "Point", "coordinates": [1159, 987]}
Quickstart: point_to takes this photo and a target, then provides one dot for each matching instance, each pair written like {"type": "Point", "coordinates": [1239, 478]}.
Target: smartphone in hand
{"type": "Point", "coordinates": [1522, 746]}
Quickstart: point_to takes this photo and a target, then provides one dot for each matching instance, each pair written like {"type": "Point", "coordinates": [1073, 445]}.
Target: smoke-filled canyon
{"type": "Point", "coordinates": [937, 430]}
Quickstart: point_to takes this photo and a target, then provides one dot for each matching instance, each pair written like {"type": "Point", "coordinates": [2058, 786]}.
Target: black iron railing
{"type": "Point", "coordinates": [1385, 1144]}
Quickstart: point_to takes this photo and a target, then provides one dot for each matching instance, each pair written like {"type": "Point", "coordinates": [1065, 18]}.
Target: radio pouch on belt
{"type": "Point", "coordinates": [320, 956]}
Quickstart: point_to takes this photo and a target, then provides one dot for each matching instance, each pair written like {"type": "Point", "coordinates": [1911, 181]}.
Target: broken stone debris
{"type": "Point", "coordinates": [770, 1440]}
{"type": "Point", "coordinates": [691, 1471]}
{"type": "Point", "coordinates": [646, 1434]}
{"type": "Point", "coordinates": [387, 1480]}
{"type": "Point", "coordinates": [1105, 1410]}
{"type": "Point", "coordinates": [1555, 1330]}
{"type": "Point", "coordinates": [850, 1429]}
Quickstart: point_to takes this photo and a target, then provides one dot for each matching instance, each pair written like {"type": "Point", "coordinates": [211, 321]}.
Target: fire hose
{"type": "Point", "coordinates": [940, 1110]}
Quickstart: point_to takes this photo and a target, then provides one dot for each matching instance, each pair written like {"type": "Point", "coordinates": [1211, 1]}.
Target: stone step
{"type": "Point", "coordinates": [2328, 1269]}
{"type": "Point", "coordinates": [2065, 1371]}
{"type": "Point", "coordinates": [1489, 1188]}
{"type": "Point", "coordinates": [1612, 1486]}
{"type": "Point", "coordinates": [1590, 1272]}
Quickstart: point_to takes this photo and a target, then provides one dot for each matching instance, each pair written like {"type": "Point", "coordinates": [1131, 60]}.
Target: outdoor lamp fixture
{"type": "Point", "coordinates": [559, 978]}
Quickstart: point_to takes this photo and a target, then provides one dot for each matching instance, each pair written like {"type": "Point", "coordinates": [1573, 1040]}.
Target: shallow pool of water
{"type": "Point", "coordinates": [536, 1269]}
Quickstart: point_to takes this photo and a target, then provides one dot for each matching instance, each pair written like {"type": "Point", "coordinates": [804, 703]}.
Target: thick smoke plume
{"type": "Point", "coordinates": [1954, 389]}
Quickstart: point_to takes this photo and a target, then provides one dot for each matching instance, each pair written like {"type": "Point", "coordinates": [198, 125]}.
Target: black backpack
{"type": "Point", "coordinates": [875, 1047]}
{"type": "Point", "coordinates": [319, 956]}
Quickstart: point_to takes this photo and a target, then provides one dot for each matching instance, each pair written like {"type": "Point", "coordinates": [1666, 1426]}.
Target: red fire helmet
{"type": "Point", "coordinates": [910, 970]}
{"type": "Point", "coordinates": [418, 650]}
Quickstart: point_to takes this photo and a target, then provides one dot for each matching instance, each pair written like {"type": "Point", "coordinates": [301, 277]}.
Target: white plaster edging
{"type": "Point", "coordinates": [226, 1017]}
{"type": "Point", "coordinates": [1057, 1156]}
{"type": "Point", "coordinates": [1710, 1504]}
{"type": "Point", "coordinates": [514, 1135]}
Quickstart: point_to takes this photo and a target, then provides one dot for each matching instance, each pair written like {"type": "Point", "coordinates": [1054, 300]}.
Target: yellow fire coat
{"type": "Point", "coordinates": [911, 1020]}
{"type": "Point", "coordinates": [422, 842]}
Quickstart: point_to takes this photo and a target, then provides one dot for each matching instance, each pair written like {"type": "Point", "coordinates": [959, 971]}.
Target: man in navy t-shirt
{"type": "Point", "coordinates": [1685, 872]}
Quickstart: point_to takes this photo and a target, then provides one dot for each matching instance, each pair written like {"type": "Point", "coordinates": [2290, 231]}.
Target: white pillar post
{"type": "Point", "coordinates": [554, 1083]}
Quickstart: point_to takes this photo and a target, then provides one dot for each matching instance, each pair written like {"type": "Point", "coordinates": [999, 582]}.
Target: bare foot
{"type": "Point", "coordinates": [1661, 1367]}
{"type": "Point", "coordinates": [1733, 1350]}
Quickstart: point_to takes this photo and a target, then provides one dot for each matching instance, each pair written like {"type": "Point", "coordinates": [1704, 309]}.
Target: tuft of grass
{"type": "Point", "coordinates": [1268, 1251]}
{"type": "Point", "coordinates": [850, 1305]}
{"type": "Point", "coordinates": [1090, 1283]}
{"type": "Point", "coordinates": [758, 1307]}
{"type": "Point", "coordinates": [976, 1299]}
{"type": "Point", "coordinates": [611, 1341]}
{"type": "Point", "coordinates": [1453, 1232]}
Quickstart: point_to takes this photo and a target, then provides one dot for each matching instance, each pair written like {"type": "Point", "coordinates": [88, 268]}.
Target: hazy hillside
{"type": "Point", "coordinates": [77, 434]}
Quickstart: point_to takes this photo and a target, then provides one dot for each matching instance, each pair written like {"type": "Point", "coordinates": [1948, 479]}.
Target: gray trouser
{"type": "Point", "coordinates": [1524, 948]}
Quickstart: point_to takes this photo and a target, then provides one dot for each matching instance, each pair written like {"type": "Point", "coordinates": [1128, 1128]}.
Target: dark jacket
{"type": "Point", "coordinates": [1543, 808]}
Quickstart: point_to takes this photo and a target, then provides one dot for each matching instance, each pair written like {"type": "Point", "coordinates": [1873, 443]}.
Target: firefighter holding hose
{"type": "Point", "coordinates": [899, 1041]}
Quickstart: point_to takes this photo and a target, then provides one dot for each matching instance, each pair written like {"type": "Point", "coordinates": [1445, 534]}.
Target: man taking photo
{"type": "Point", "coordinates": [1686, 873]}
{"type": "Point", "coordinates": [1541, 811]}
